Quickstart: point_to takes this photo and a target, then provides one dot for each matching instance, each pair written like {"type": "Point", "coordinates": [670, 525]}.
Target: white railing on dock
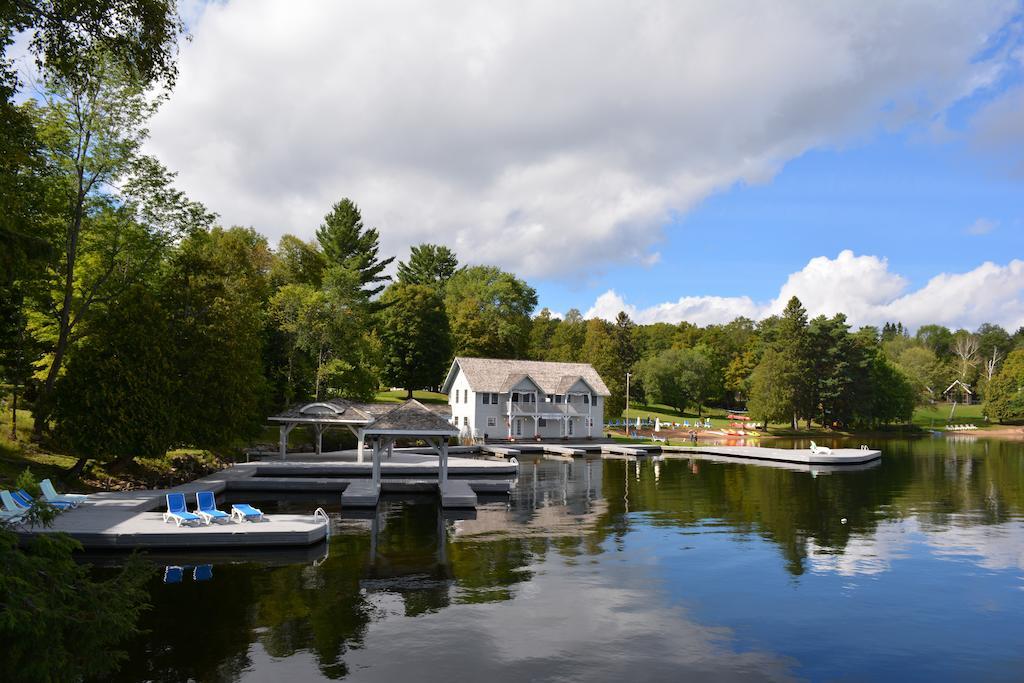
{"type": "Point", "coordinates": [320, 512]}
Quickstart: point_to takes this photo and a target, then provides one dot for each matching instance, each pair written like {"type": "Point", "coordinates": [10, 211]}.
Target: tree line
{"type": "Point", "coordinates": [132, 322]}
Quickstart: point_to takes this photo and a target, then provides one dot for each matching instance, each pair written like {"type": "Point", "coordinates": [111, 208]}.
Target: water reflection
{"type": "Point", "coordinates": [596, 569]}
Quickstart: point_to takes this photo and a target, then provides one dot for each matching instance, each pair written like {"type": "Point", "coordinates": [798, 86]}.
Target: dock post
{"type": "Point", "coordinates": [375, 446]}
{"type": "Point", "coordinates": [443, 464]}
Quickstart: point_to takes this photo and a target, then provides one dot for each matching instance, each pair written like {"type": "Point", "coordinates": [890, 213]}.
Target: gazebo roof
{"type": "Point", "coordinates": [410, 417]}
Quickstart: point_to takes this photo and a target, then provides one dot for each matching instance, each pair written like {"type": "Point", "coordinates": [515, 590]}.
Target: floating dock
{"type": "Point", "coordinates": [801, 456]}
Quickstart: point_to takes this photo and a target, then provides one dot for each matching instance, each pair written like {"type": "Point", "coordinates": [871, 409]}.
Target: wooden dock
{"type": "Point", "coordinates": [571, 452]}
{"type": "Point", "coordinates": [837, 457]}
{"type": "Point", "coordinates": [501, 451]}
{"type": "Point", "coordinates": [617, 452]}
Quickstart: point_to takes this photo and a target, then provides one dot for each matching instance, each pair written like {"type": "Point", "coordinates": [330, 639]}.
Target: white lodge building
{"type": "Point", "coordinates": [525, 399]}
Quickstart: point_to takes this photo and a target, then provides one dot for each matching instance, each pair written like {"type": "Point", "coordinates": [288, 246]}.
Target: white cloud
{"type": "Point", "coordinates": [548, 137]}
{"type": "Point", "coordinates": [864, 289]}
{"type": "Point", "coordinates": [982, 226]}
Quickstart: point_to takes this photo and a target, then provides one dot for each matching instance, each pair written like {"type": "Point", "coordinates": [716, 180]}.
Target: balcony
{"type": "Point", "coordinates": [546, 410]}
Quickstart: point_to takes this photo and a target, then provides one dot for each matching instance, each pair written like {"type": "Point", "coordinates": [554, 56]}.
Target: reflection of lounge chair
{"type": "Point", "coordinates": [244, 511]}
{"type": "Point", "coordinates": [202, 572]}
{"type": "Point", "coordinates": [173, 574]}
{"type": "Point", "coordinates": [177, 511]}
{"type": "Point", "coordinates": [206, 507]}
{"type": "Point", "coordinates": [50, 494]}
{"type": "Point", "coordinates": [820, 450]}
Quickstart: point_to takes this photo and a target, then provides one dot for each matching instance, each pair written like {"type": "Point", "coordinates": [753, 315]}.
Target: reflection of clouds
{"type": "Point", "coordinates": [546, 521]}
{"type": "Point", "coordinates": [611, 614]}
{"type": "Point", "coordinates": [991, 546]}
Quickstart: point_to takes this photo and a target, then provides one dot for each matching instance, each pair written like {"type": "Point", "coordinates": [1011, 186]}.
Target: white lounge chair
{"type": "Point", "coordinates": [820, 450]}
{"type": "Point", "coordinates": [50, 494]}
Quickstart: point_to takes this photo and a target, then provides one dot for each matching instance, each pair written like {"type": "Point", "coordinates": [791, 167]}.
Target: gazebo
{"type": "Point", "coordinates": [378, 425]}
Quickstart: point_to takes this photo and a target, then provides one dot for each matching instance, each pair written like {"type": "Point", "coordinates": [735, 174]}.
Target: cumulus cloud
{"type": "Point", "coordinates": [864, 289]}
{"type": "Point", "coordinates": [548, 137]}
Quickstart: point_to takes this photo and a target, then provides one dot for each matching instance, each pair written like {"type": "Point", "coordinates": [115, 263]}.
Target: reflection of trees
{"type": "Point", "coordinates": [194, 631]}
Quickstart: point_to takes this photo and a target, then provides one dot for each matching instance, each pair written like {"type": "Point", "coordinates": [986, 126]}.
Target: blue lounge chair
{"type": "Point", "coordinates": [202, 572]}
{"type": "Point", "coordinates": [244, 511]}
{"type": "Point", "coordinates": [173, 574]}
{"type": "Point", "coordinates": [22, 497]}
{"type": "Point", "coordinates": [50, 494]}
{"type": "Point", "coordinates": [177, 511]}
{"type": "Point", "coordinates": [206, 507]}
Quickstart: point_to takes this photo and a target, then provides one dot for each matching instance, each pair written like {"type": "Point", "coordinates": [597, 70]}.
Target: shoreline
{"type": "Point", "coordinates": [1011, 432]}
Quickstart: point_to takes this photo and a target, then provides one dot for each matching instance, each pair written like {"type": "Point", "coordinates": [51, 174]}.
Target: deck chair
{"type": "Point", "coordinates": [243, 511]}
{"type": "Point", "coordinates": [50, 494]}
{"type": "Point", "coordinates": [22, 497]}
{"type": "Point", "coordinates": [177, 511]}
{"type": "Point", "coordinates": [11, 504]}
{"type": "Point", "coordinates": [820, 450]}
{"type": "Point", "coordinates": [206, 507]}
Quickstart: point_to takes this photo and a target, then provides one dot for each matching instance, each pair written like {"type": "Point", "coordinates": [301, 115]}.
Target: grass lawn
{"type": "Point", "coordinates": [421, 396]}
{"type": "Point", "coordinates": [936, 416]}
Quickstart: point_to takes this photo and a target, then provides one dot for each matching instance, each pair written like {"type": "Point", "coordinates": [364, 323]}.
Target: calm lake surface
{"type": "Point", "coordinates": [603, 570]}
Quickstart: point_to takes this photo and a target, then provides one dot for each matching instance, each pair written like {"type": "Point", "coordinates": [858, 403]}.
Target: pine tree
{"type": "Point", "coordinates": [347, 244]}
{"type": "Point", "coordinates": [429, 264]}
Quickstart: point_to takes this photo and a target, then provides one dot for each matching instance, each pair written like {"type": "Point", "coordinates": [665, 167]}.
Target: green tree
{"type": "Point", "coordinates": [489, 312]}
{"type": "Point", "coordinates": [117, 400]}
{"type": "Point", "coordinates": [924, 370]}
{"type": "Point", "coordinates": [216, 290]}
{"type": "Point", "coordinates": [1005, 398]}
{"type": "Point", "coordinates": [347, 244]}
{"type": "Point", "coordinates": [568, 338]}
{"type": "Point", "coordinates": [678, 377]}
{"type": "Point", "coordinates": [416, 346]}
{"type": "Point", "coordinates": [542, 330]}
{"type": "Point", "coordinates": [601, 351]}
{"type": "Point", "coordinates": [297, 262]}
{"type": "Point", "coordinates": [893, 394]}
{"type": "Point", "coordinates": [113, 210]}
{"type": "Point", "coordinates": [937, 338]}
{"type": "Point", "coordinates": [429, 264]}
{"type": "Point", "coordinates": [19, 350]}
{"type": "Point", "coordinates": [773, 388]}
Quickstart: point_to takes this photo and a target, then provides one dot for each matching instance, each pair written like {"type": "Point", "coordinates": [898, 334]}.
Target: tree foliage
{"type": "Point", "coordinates": [1006, 390]}
{"type": "Point", "coordinates": [416, 345]}
{"type": "Point", "coordinates": [429, 264]}
{"type": "Point", "coordinates": [489, 312]}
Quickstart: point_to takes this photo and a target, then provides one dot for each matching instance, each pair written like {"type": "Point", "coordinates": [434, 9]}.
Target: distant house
{"type": "Point", "coordinates": [958, 392]}
{"type": "Point", "coordinates": [525, 399]}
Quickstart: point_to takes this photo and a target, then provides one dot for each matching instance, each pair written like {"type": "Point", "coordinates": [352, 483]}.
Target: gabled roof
{"type": "Point", "coordinates": [492, 374]}
{"type": "Point", "coordinates": [412, 417]}
{"type": "Point", "coordinates": [955, 382]}
{"type": "Point", "coordinates": [514, 380]}
{"type": "Point", "coordinates": [341, 411]}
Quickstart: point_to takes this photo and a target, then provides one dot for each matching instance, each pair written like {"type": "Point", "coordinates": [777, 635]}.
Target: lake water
{"type": "Point", "coordinates": [606, 570]}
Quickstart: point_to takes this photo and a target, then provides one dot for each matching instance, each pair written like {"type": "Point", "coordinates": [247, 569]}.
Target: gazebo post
{"type": "Point", "coordinates": [443, 463]}
{"type": "Point", "coordinates": [375, 446]}
{"type": "Point", "coordinates": [361, 437]}
{"type": "Point", "coordinates": [319, 438]}
{"type": "Point", "coordinates": [391, 448]}
{"type": "Point", "coordinates": [284, 441]}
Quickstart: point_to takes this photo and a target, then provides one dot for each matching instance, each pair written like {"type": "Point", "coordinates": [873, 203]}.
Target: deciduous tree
{"type": "Point", "coordinates": [416, 345]}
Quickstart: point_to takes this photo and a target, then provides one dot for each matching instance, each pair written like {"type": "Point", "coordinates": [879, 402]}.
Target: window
{"type": "Point", "coordinates": [515, 397]}
{"type": "Point", "coordinates": [492, 421]}
{"type": "Point", "coordinates": [519, 427]}
{"type": "Point", "coordinates": [486, 398]}
{"type": "Point", "coordinates": [541, 422]}
{"type": "Point", "coordinates": [465, 421]}
{"type": "Point", "coordinates": [494, 399]}
{"type": "Point", "coordinates": [559, 399]}
{"type": "Point", "coordinates": [465, 395]}
{"type": "Point", "coordinates": [529, 398]}
{"type": "Point", "coordinates": [549, 398]}
{"type": "Point", "coordinates": [586, 399]}
{"type": "Point", "coordinates": [571, 423]}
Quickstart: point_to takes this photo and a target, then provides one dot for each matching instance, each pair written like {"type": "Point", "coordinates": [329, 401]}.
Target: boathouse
{"type": "Point", "coordinates": [520, 399]}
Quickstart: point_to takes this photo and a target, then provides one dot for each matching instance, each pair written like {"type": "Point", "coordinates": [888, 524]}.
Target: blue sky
{"type": "Point", "coordinates": [897, 196]}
